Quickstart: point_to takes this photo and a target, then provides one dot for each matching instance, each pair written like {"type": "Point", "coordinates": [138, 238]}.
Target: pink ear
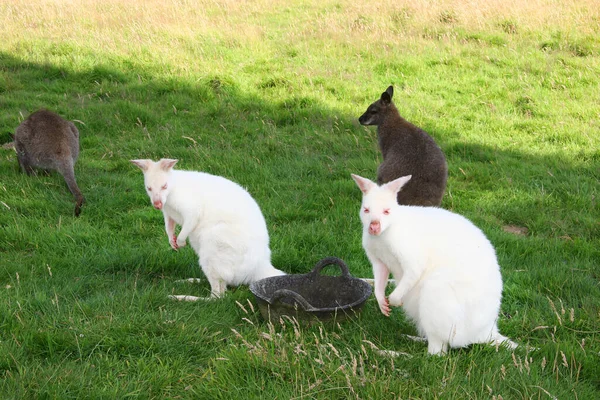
{"type": "Point", "coordinates": [363, 183]}
{"type": "Point", "coordinates": [143, 164]}
{"type": "Point", "coordinates": [395, 185]}
{"type": "Point", "coordinates": [167, 163]}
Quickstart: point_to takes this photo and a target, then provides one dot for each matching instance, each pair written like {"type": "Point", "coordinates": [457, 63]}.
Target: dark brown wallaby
{"type": "Point", "coordinates": [407, 150]}
{"type": "Point", "coordinates": [48, 141]}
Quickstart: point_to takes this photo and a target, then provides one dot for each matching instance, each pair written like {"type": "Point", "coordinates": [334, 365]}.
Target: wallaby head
{"type": "Point", "coordinates": [377, 111]}
{"type": "Point", "coordinates": [378, 203]}
{"type": "Point", "coordinates": [156, 176]}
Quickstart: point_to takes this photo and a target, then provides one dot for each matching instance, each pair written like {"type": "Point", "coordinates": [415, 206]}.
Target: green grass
{"type": "Point", "coordinates": [268, 95]}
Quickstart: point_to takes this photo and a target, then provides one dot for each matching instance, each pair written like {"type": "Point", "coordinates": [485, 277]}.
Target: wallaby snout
{"type": "Point", "coordinates": [375, 228]}
{"type": "Point", "coordinates": [363, 119]}
{"type": "Point", "coordinates": [371, 116]}
{"type": "Point", "coordinates": [158, 199]}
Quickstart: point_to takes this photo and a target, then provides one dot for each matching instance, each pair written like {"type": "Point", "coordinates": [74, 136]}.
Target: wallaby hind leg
{"type": "Point", "coordinates": [66, 170]}
{"type": "Point", "coordinates": [24, 161]}
{"type": "Point", "coordinates": [26, 167]}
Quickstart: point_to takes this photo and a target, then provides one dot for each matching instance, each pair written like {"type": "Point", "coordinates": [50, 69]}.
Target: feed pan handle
{"type": "Point", "coordinates": [328, 261]}
{"type": "Point", "coordinates": [283, 293]}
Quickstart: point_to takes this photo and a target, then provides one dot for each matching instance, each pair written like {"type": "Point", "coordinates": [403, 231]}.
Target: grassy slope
{"type": "Point", "coordinates": [268, 95]}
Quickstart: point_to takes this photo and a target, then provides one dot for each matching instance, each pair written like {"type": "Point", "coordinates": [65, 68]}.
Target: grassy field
{"type": "Point", "coordinates": [268, 94]}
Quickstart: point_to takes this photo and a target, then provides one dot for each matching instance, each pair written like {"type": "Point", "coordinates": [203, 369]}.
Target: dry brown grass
{"type": "Point", "coordinates": [116, 24]}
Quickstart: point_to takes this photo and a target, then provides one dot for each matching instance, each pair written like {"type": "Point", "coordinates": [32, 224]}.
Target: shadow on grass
{"type": "Point", "coordinates": [290, 150]}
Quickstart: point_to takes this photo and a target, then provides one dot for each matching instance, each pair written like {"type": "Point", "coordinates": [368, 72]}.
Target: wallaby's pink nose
{"type": "Point", "coordinates": [374, 228]}
{"type": "Point", "coordinates": [157, 204]}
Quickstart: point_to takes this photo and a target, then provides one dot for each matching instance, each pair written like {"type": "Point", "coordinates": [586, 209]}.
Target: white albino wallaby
{"type": "Point", "coordinates": [222, 221]}
{"type": "Point", "coordinates": [448, 278]}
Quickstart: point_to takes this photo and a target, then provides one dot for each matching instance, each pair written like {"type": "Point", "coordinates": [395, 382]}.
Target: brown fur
{"type": "Point", "coordinates": [407, 150]}
{"type": "Point", "coordinates": [48, 141]}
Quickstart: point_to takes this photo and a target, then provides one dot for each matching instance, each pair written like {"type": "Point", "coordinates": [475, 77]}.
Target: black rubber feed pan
{"type": "Point", "coordinates": [312, 296]}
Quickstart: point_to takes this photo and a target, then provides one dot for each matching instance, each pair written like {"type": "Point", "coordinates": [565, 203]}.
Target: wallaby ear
{"type": "Point", "coordinates": [397, 184]}
{"type": "Point", "coordinates": [386, 97]}
{"type": "Point", "coordinates": [167, 163]}
{"type": "Point", "coordinates": [390, 91]}
{"type": "Point", "coordinates": [143, 164]}
{"type": "Point", "coordinates": [364, 184]}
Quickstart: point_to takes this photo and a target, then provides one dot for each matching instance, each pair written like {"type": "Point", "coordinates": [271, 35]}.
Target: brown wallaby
{"type": "Point", "coordinates": [48, 141]}
{"type": "Point", "coordinates": [407, 150]}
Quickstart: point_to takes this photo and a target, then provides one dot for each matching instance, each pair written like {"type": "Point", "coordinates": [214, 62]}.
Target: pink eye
{"type": "Point", "coordinates": [366, 210]}
{"type": "Point", "coordinates": [386, 211]}
{"type": "Point", "coordinates": [149, 189]}
{"type": "Point", "coordinates": [164, 186]}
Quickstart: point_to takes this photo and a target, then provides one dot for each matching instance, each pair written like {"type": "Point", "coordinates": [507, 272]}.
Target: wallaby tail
{"type": "Point", "coordinates": [371, 281]}
{"type": "Point", "coordinates": [268, 272]}
{"type": "Point", "coordinates": [66, 170]}
{"type": "Point", "coordinates": [500, 340]}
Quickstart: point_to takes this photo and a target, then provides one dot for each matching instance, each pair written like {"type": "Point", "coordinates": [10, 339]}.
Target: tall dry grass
{"type": "Point", "coordinates": [117, 24]}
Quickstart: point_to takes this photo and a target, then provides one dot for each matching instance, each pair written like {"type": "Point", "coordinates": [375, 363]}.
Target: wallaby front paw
{"type": "Point", "coordinates": [173, 242]}
{"type": "Point", "coordinates": [384, 306]}
{"type": "Point", "coordinates": [180, 243]}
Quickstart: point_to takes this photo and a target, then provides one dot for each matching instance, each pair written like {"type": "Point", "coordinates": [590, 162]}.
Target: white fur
{"type": "Point", "coordinates": [224, 224]}
{"type": "Point", "coordinates": [448, 277]}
